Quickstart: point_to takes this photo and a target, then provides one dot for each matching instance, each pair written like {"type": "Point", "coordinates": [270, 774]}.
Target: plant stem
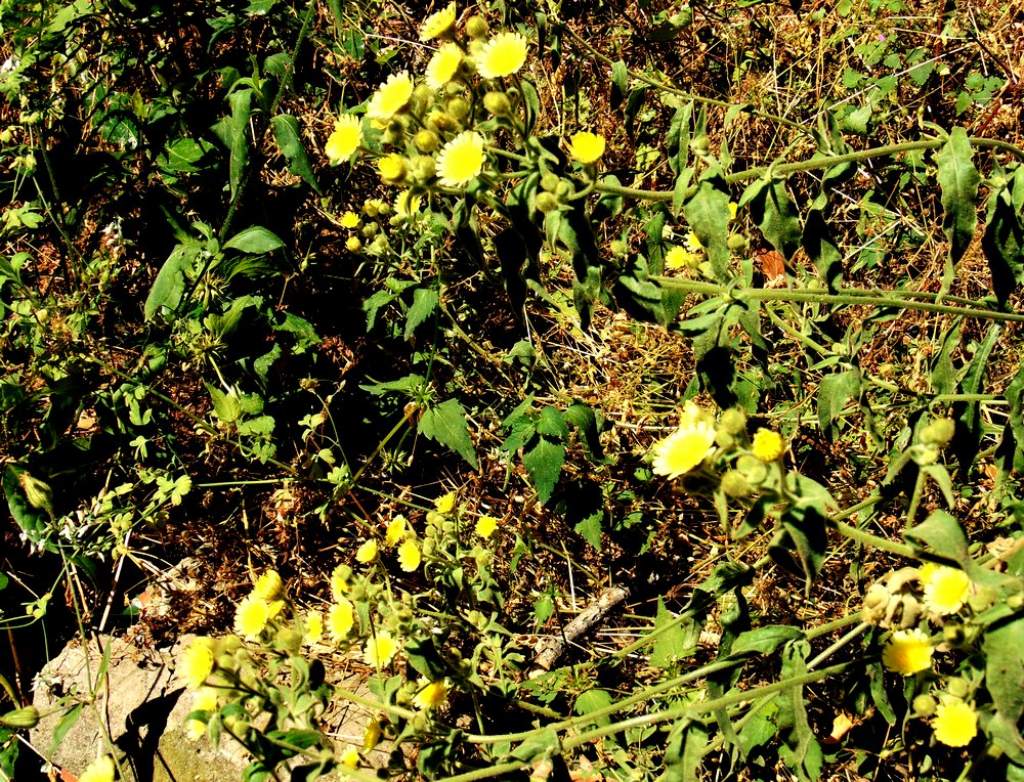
{"type": "Point", "coordinates": [915, 498]}
{"type": "Point", "coordinates": [867, 539]}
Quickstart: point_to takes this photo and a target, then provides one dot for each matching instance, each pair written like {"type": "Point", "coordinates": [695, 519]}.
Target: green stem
{"type": "Point", "coordinates": [867, 539]}
{"type": "Point", "coordinates": [915, 498]}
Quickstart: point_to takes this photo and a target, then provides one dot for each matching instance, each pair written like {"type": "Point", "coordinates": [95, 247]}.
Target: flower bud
{"type": "Point", "coordinates": [953, 633]}
{"type": "Point", "coordinates": [476, 26]}
{"type": "Point", "coordinates": [876, 600]}
{"type": "Point", "coordinates": [938, 432]}
{"type": "Point", "coordinates": [924, 705]}
{"type": "Point", "coordinates": [546, 202]}
{"type": "Point", "coordinates": [618, 247]}
{"type": "Point", "coordinates": [427, 141]}
{"type": "Point", "coordinates": [458, 108]}
{"type": "Point", "coordinates": [753, 469]}
{"type": "Point", "coordinates": [735, 485]}
{"type": "Point", "coordinates": [38, 493]}
{"type": "Point", "coordinates": [982, 598]}
{"type": "Point", "coordinates": [549, 182]}
{"type": "Point", "coordinates": [958, 686]}
{"type": "Point", "coordinates": [911, 611]}
{"type": "Point", "coordinates": [564, 189]}
{"type": "Point", "coordinates": [724, 440]}
{"type": "Point", "coordinates": [421, 99]}
{"type": "Point", "coordinates": [497, 103]}
{"type": "Point", "coordinates": [733, 421]}
{"type": "Point", "coordinates": [423, 169]}
{"type": "Point", "coordinates": [353, 244]}
{"type": "Point", "coordinates": [370, 230]}
{"type": "Point", "coordinates": [227, 662]}
{"type": "Point", "coordinates": [441, 120]}
{"type": "Point", "coordinates": [737, 243]}
{"type": "Point", "coordinates": [26, 717]}
{"type": "Point", "coordinates": [288, 639]}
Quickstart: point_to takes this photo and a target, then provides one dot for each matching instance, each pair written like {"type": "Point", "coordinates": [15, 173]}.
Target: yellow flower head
{"type": "Point", "coordinates": [196, 663]}
{"type": "Point", "coordinates": [693, 243]}
{"type": "Point", "coordinates": [443, 65]}
{"type": "Point", "coordinates": [339, 581]}
{"type": "Point", "coordinates": [446, 502]}
{"type": "Point", "coordinates": [678, 258]}
{"type": "Point", "coordinates": [313, 628]}
{"type": "Point", "coordinates": [100, 770]}
{"type": "Point", "coordinates": [907, 652]}
{"type": "Point", "coordinates": [485, 526]}
{"type": "Point", "coordinates": [344, 139]}
{"type": "Point", "coordinates": [586, 147]}
{"type": "Point", "coordinates": [251, 617]}
{"type": "Point", "coordinates": [733, 209]}
{"type": "Point", "coordinates": [350, 220]}
{"type": "Point", "coordinates": [391, 167]}
{"type": "Point", "coordinates": [407, 204]}
{"type": "Point", "coordinates": [431, 694]}
{"type": "Point", "coordinates": [372, 734]}
{"type": "Point", "coordinates": [340, 619]}
{"type": "Point", "coordinates": [390, 97]}
{"type": "Point", "coordinates": [438, 23]}
{"type": "Point", "coordinates": [195, 729]}
{"type": "Point", "coordinates": [955, 723]}
{"type": "Point", "coordinates": [395, 531]}
{"type": "Point", "coordinates": [380, 649]}
{"type": "Point", "coordinates": [205, 699]}
{"type": "Point", "coordinates": [945, 588]}
{"type": "Point", "coordinates": [350, 758]}
{"type": "Point", "coordinates": [768, 446]}
{"type": "Point", "coordinates": [409, 556]}
{"type": "Point", "coordinates": [367, 552]}
{"type": "Point", "coordinates": [268, 585]}
{"type": "Point", "coordinates": [501, 56]}
{"type": "Point", "coordinates": [461, 159]}
{"type": "Point", "coordinates": [686, 447]}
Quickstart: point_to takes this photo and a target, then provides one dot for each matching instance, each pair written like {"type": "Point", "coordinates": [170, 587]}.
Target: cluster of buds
{"type": "Point", "coordinates": [891, 601]}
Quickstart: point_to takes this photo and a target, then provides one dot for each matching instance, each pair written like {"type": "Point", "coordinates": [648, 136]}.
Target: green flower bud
{"type": "Point", "coordinates": [564, 189]}
{"type": "Point", "coordinates": [724, 440]}
{"type": "Point", "coordinates": [939, 432]}
{"type": "Point", "coordinates": [427, 141]}
{"type": "Point", "coordinates": [954, 633]}
{"type": "Point", "coordinates": [546, 202]}
{"type": "Point", "coordinates": [618, 247]}
{"type": "Point", "coordinates": [733, 421]}
{"type": "Point", "coordinates": [421, 99]}
{"type": "Point", "coordinates": [924, 705]}
{"type": "Point", "coordinates": [38, 493]}
{"type": "Point", "coordinates": [370, 230]}
{"type": "Point", "coordinates": [699, 144]}
{"type": "Point", "coordinates": [423, 169]}
{"type": "Point", "coordinates": [442, 121]}
{"type": "Point", "coordinates": [958, 686]}
{"type": "Point", "coordinates": [753, 469]}
{"type": "Point", "coordinates": [982, 598]}
{"type": "Point", "coordinates": [735, 485]}
{"type": "Point", "coordinates": [288, 639]}
{"type": "Point", "coordinates": [227, 662]}
{"type": "Point", "coordinates": [458, 108]}
{"type": "Point", "coordinates": [27, 717]}
{"type": "Point", "coordinates": [737, 242]}
{"type": "Point", "coordinates": [476, 26]}
{"type": "Point", "coordinates": [549, 182]}
{"type": "Point", "coordinates": [497, 103]}
{"type": "Point", "coordinates": [1015, 601]}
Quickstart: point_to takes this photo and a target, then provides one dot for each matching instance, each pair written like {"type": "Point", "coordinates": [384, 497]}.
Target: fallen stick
{"type": "Point", "coordinates": [550, 649]}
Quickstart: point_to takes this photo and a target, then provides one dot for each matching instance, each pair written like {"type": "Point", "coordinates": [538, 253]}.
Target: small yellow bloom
{"type": "Point", "coordinates": [955, 723]}
{"type": "Point", "coordinates": [340, 619]}
{"type": "Point", "coordinates": [380, 649]}
{"type": "Point", "coordinates": [350, 758]}
{"type": "Point", "coordinates": [350, 220]}
{"type": "Point", "coordinates": [907, 652]}
{"type": "Point", "coordinates": [678, 258]}
{"type": "Point", "coordinates": [407, 204]}
{"type": "Point", "coordinates": [339, 581]}
{"type": "Point", "coordinates": [391, 167]}
{"type": "Point", "coordinates": [446, 502]}
{"type": "Point", "coordinates": [733, 209]}
{"type": "Point", "coordinates": [409, 556]}
{"type": "Point", "coordinates": [461, 159]}
{"type": "Point", "coordinates": [372, 734]}
{"type": "Point", "coordinates": [353, 244]}
{"type": "Point", "coordinates": [693, 243]}
{"type": "Point", "coordinates": [205, 699]}
{"type": "Point", "coordinates": [100, 770]}
{"type": "Point", "coordinates": [486, 525]}
{"type": "Point", "coordinates": [443, 65]}
{"type": "Point", "coordinates": [195, 729]}
{"type": "Point", "coordinates": [274, 607]}
{"type": "Point", "coordinates": [586, 147]}
{"type": "Point", "coordinates": [390, 97]}
{"type": "Point", "coordinates": [438, 23]}
{"type": "Point", "coordinates": [686, 447]}
{"type": "Point", "coordinates": [268, 585]}
{"type": "Point", "coordinates": [251, 617]}
{"type": "Point", "coordinates": [374, 207]}
{"type": "Point", "coordinates": [314, 628]}
{"type": "Point", "coordinates": [431, 694]}
{"type": "Point", "coordinates": [395, 531]}
{"type": "Point", "coordinates": [367, 552]}
{"type": "Point", "coordinates": [197, 663]}
{"type": "Point", "coordinates": [344, 139]}
{"type": "Point", "coordinates": [501, 56]}
{"type": "Point", "coordinates": [945, 588]}
{"type": "Point", "coordinates": [768, 446]}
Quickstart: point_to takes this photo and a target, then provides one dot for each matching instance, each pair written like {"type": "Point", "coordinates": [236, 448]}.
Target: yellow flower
{"type": "Point", "coordinates": [340, 619]}
{"type": "Point", "coordinates": [274, 607]}
{"type": "Point", "coordinates": [438, 23]}
{"type": "Point", "coordinates": [407, 204]}
{"type": "Point", "coordinates": [409, 556]}
{"type": "Point", "coordinates": [907, 652]}
{"type": "Point", "coordinates": [251, 617]}
{"type": "Point", "coordinates": [693, 243]}
{"type": "Point", "coordinates": [678, 258]}
{"type": "Point", "coordinates": [486, 525]}
{"type": "Point", "coordinates": [268, 585]}
{"type": "Point", "coordinates": [431, 694]}
{"type": "Point", "coordinates": [945, 588]}
{"type": "Point", "coordinates": [197, 663]}
{"type": "Point", "coordinates": [350, 758]}
{"type": "Point", "coordinates": [314, 628]}
{"type": "Point", "coordinates": [391, 167]}
{"type": "Point", "coordinates": [100, 770]}
{"type": "Point", "coordinates": [461, 159]}
{"type": "Point", "coordinates": [350, 220]}
{"type": "Point", "coordinates": [344, 139]}
{"type": "Point", "coordinates": [380, 649]}
{"type": "Point", "coordinates": [768, 446]}
{"type": "Point", "coordinates": [205, 699]}
{"type": "Point", "coordinates": [372, 734]}
{"type": "Point", "coordinates": [390, 97]}
{"type": "Point", "coordinates": [446, 503]}
{"type": "Point", "coordinates": [339, 581]}
{"type": "Point", "coordinates": [195, 729]}
{"type": "Point", "coordinates": [501, 56]}
{"type": "Point", "coordinates": [443, 65]}
{"type": "Point", "coordinates": [353, 244]}
{"type": "Point", "coordinates": [733, 209]}
{"type": "Point", "coordinates": [586, 147]}
{"type": "Point", "coordinates": [374, 207]}
{"type": "Point", "coordinates": [686, 447]}
{"type": "Point", "coordinates": [955, 723]}
{"type": "Point", "coordinates": [367, 552]}
{"type": "Point", "coordinates": [395, 531]}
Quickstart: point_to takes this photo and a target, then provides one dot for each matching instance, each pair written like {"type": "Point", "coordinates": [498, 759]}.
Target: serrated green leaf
{"type": "Point", "coordinates": [544, 464]}
{"type": "Point", "coordinates": [940, 534]}
{"type": "Point", "coordinates": [834, 392]}
{"type": "Point", "coordinates": [1003, 242]}
{"type": "Point", "coordinates": [674, 641]}
{"type": "Point", "coordinates": [446, 424]}
{"type": "Point", "coordinates": [775, 214]}
{"type": "Point", "coordinates": [591, 701]}
{"type": "Point", "coordinates": [424, 302]}
{"type": "Point", "coordinates": [764, 640]}
{"type": "Point", "coordinates": [1004, 672]}
{"type": "Point", "coordinates": [289, 141]}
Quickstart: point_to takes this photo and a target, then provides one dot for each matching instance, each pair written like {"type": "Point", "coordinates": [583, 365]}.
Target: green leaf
{"type": "Point", "coordinates": [1004, 672]}
{"type": "Point", "coordinates": [940, 534]}
{"type": "Point", "coordinates": [583, 418]}
{"type": "Point", "coordinates": [446, 424]}
{"type": "Point", "coordinates": [801, 752]}
{"type": "Point", "coordinates": [226, 406]}
{"type": "Point", "coordinates": [238, 136]}
{"type": "Point", "coordinates": [959, 180]}
{"type": "Point", "coordinates": [708, 214]}
{"type": "Point", "coordinates": [833, 394]}
{"type": "Point", "coordinates": [286, 133]}
{"type": "Point", "coordinates": [763, 640]}
{"type": "Point", "coordinates": [254, 240]}
{"type": "Point", "coordinates": [1003, 242]}
{"type": "Point", "coordinates": [674, 640]}
{"type": "Point", "coordinates": [619, 83]}
{"type": "Point", "coordinates": [424, 302]}
{"type": "Point", "coordinates": [551, 424]}
{"type": "Point", "coordinates": [67, 722]}
{"type": "Point", "coordinates": [594, 700]}
{"type": "Point", "coordinates": [31, 520]}
{"type": "Point", "coordinates": [775, 214]}
{"type": "Point", "coordinates": [544, 464]}
{"type": "Point", "coordinates": [169, 285]}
